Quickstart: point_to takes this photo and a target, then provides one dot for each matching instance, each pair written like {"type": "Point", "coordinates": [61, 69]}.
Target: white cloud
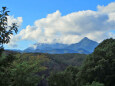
{"type": "Point", "coordinates": [17, 20]}
{"type": "Point", "coordinates": [72, 27]}
{"type": "Point", "coordinates": [111, 35]}
{"type": "Point", "coordinates": [107, 9]}
{"type": "Point", "coordinates": [15, 38]}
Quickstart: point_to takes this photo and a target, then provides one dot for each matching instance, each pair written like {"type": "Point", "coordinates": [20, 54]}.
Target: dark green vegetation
{"type": "Point", "coordinates": [65, 78]}
{"type": "Point", "coordinates": [5, 30]}
{"type": "Point", "coordinates": [14, 70]}
{"type": "Point", "coordinates": [100, 65]}
{"type": "Point", "coordinates": [97, 70]}
{"type": "Point", "coordinates": [95, 84]}
{"type": "Point", "coordinates": [62, 61]}
{"type": "Point", "coordinates": [32, 69]}
{"type": "Point", "coordinates": [18, 71]}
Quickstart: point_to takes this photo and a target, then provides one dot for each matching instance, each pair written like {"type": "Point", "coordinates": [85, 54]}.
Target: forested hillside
{"type": "Point", "coordinates": [23, 64]}
{"type": "Point", "coordinates": [43, 69]}
{"type": "Point", "coordinates": [98, 69]}
{"type": "Point", "coordinates": [55, 62]}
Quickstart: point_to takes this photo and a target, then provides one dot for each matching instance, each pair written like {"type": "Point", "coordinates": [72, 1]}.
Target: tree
{"type": "Point", "coordinates": [100, 65]}
{"type": "Point", "coordinates": [25, 71]}
{"type": "Point", "coordinates": [5, 33]}
{"type": "Point", "coordinates": [60, 79]}
{"type": "Point", "coordinates": [14, 70]}
{"type": "Point", "coordinates": [5, 65]}
{"type": "Point", "coordinates": [65, 78]}
{"type": "Point", "coordinates": [5, 30]}
{"type": "Point", "coordinates": [95, 84]}
{"type": "Point", "coordinates": [21, 69]}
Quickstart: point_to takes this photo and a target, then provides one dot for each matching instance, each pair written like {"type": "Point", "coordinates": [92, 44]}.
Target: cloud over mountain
{"type": "Point", "coordinates": [72, 27]}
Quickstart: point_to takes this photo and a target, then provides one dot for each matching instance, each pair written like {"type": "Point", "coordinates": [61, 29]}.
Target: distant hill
{"type": "Point", "coordinates": [85, 46]}
{"type": "Point", "coordinates": [13, 50]}
{"type": "Point", "coordinates": [51, 62]}
{"type": "Point", "coordinates": [56, 62]}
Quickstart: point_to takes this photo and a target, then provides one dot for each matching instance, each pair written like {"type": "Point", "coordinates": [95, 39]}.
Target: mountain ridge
{"type": "Point", "coordinates": [85, 46]}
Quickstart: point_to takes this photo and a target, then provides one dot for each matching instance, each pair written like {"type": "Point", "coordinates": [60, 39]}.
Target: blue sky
{"type": "Point", "coordinates": [33, 10]}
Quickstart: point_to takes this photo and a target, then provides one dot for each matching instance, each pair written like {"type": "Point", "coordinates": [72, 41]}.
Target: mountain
{"type": "Point", "coordinates": [14, 50]}
{"type": "Point", "coordinates": [59, 51]}
{"type": "Point", "coordinates": [85, 46]}
{"type": "Point", "coordinates": [46, 48]}
{"type": "Point", "coordinates": [43, 46]}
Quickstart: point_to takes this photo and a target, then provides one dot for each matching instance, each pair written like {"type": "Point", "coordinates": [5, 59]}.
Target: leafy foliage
{"type": "Point", "coordinates": [5, 33]}
{"type": "Point", "coordinates": [25, 71]}
{"type": "Point", "coordinates": [5, 62]}
{"type": "Point", "coordinates": [18, 71]}
{"type": "Point", "coordinates": [95, 84]}
{"type": "Point", "coordinates": [100, 65]}
{"type": "Point", "coordinates": [97, 70]}
{"type": "Point", "coordinates": [73, 59]}
{"type": "Point", "coordinates": [66, 78]}
{"type": "Point", "coordinates": [5, 30]}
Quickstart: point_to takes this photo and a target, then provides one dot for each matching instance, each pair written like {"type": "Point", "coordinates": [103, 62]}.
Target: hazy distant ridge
{"type": "Point", "coordinates": [85, 46]}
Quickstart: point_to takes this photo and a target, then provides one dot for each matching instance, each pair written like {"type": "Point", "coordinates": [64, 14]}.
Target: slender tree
{"type": "Point", "coordinates": [5, 30]}
{"type": "Point", "coordinates": [5, 33]}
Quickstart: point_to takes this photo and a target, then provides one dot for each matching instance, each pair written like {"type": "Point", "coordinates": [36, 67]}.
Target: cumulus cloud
{"type": "Point", "coordinates": [72, 27]}
{"type": "Point", "coordinates": [107, 9]}
{"type": "Point", "coordinates": [18, 21]}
